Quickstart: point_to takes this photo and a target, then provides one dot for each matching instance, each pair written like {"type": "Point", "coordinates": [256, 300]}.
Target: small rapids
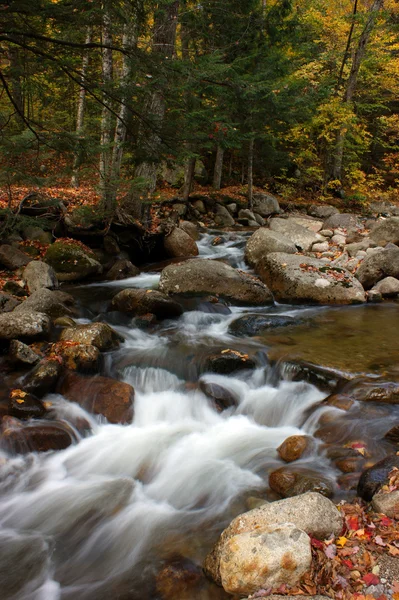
{"type": "Point", "coordinates": [98, 520]}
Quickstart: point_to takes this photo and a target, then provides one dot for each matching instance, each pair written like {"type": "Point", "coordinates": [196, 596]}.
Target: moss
{"type": "Point", "coordinates": [67, 256]}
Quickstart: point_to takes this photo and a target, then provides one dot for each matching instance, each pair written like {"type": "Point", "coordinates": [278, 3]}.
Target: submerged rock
{"type": "Point", "coordinates": [294, 447]}
{"type": "Point", "coordinates": [39, 437]}
{"type": "Point", "coordinates": [141, 302]}
{"type": "Point", "coordinates": [23, 405]}
{"type": "Point", "coordinates": [228, 361]}
{"type": "Point", "coordinates": [249, 325]}
{"type": "Point", "coordinates": [221, 397]}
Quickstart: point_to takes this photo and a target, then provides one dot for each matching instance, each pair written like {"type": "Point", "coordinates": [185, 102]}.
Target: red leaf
{"type": "Point", "coordinates": [371, 579]}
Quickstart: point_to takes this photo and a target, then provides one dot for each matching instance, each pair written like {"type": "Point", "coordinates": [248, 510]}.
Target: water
{"type": "Point", "coordinates": [100, 519]}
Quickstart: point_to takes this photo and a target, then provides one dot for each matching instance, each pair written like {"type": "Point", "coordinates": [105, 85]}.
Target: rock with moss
{"type": "Point", "coordinates": [72, 260]}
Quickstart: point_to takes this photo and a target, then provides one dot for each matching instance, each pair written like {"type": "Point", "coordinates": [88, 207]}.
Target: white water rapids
{"type": "Point", "coordinates": [94, 522]}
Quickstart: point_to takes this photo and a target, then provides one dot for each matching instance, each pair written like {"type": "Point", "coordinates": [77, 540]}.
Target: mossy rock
{"type": "Point", "coordinates": [72, 260]}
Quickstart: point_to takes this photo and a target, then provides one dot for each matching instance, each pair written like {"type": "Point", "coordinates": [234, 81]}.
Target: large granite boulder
{"type": "Point", "coordinates": [122, 269]}
{"type": "Point", "coordinates": [140, 302]}
{"type": "Point", "coordinates": [386, 231]}
{"type": "Point", "coordinates": [45, 301]}
{"type": "Point", "coordinates": [301, 236]}
{"type": "Point", "coordinates": [222, 216]}
{"type": "Point", "coordinates": [323, 211]}
{"type": "Point", "coordinates": [38, 274]}
{"type": "Point", "coordinates": [179, 243]}
{"type": "Point", "coordinates": [100, 335]}
{"type": "Point", "coordinates": [263, 242]}
{"type": "Point", "coordinates": [12, 258]}
{"type": "Point", "coordinates": [72, 260]}
{"type": "Point", "coordinates": [265, 204]}
{"type": "Point", "coordinates": [25, 326]}
{"type": "Point", "coordinates": [200, 276]}
{"type": "Point", "coordinates": [343, 221]}
{"type": "Point", "coordinates": [301, 279]}
{"type": "Point", "coordinates": [378, 265]}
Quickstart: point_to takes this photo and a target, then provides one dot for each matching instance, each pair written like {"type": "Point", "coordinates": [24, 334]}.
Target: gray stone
{"type": "Point", "coordinates": [323, 212]}
{"type": "Point", "coordinates": [190, 228]}
{"type": "Point", "coordinates": [122, 269]}
{"type": "Point", "coordinates": [352, 264]}
{"type": "Point", "coordinates": [299, 235]}
{"type": "Point", "coordinates": [265, 204]}
{"type": "Point", "coordinates": [44, 301]}
{"type": "Point", "coordinates": [374, 296]}
{"type": "Point", "coordinates": [253, 560]}
{"type": "Point", "coordinates": [252, 223]}
{"type": "Point", "coordinates": [260, 220]}
{"type": "Point", "coordinates": [179, 244]}
{"type": "Point", "coordinates": [263, 242]}
{"type": "Point", "coordinates": [20, 352]}
{"type": "Point", "coordinates": [29, 325]}
{"type": "Point", "coordinates": [328, 233]}
{"type": "Point", "coordinates": [200, 276]}
{"type": "Point", "coordinates": [294, 278]}
{"type": "Point", "coordinates": [12, 258]}
{"type": "Point", "coordinates": [140, 302]}
{"type": "Point", "coordinates": [200, 206]}
{"type": "Point", "coordinates": [100, 335]}
{"type": "Point", "coordinates": [338, 240]}
{"type": "Point", "coordinates": [387, 503]}
{"type": "Point", "coordinates": [245, 213]}
{"type": "Point", "coordinates": [320, 247]}
{"type": "Point", "coordinates": [386, 231]}
{"type": "Point", "coordinates": [180, 208]}
{"type": "Point", "coordinates": [232, 208]}
{"type": "Point", "coordinates": [353, 249]}
{"type": "Point", "coordinates": [344, 220]}
{"type": "Point", "coordinates": [7, 302]}
{"type": "Point", "coordinates": [37, 234]}
{"type": "Point", "coordinates": [388, 287]}
{"type": "Point", "coordinates": [38, 275]}
{"type": "Point", "coordinates": [223, 217]}
{"type": "Point", "coordinates": [43, 378]}
{"type": "Point", "coordinates": [308, 222]}
{"type": "Point", "coordinates": [377, 265]}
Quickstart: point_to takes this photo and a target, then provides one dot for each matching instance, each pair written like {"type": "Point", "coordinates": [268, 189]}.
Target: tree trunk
{"type": "Point", "coordinates": [16, 82]}
{"type": "Point", "coordinates": [77, 160]}
{"type": "Point", "coordinates": [188, 177]}
{"type": "Point", "coordinates": [250, 173]}
{"type": "Point", "coordinates": [335, 164]}
{"type": "Point", "coordinates": [217, 173]}
{"type": "Point", "coordinates": [106, 119]}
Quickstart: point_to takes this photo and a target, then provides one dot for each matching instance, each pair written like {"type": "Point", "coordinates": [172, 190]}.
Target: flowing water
{"type": "Point", "coordinates": [98, 520]}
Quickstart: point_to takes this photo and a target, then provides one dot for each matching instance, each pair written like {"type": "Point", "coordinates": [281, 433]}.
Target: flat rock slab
{"type": "Point", "coordinates": [299, 235]}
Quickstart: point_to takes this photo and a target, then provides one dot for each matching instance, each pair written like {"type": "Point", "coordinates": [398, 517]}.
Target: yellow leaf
{"type": "Point", "coordinates": [18, 394]}
{"type": "Point", "coordinates": [20, 401]}
{"type": "Point", "coordinates": [341, 541]}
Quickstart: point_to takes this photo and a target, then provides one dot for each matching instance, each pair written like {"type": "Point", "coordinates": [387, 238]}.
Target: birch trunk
{"type": "Point", "coordinates": [217, 173]}
{"type": "Point", "coordinates": [77, 160]}
{"type": "Point", "coordinates": [106, 118]}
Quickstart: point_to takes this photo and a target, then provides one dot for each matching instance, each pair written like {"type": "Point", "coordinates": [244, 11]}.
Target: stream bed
{"type": "Point", "coordinates": [104, 518]}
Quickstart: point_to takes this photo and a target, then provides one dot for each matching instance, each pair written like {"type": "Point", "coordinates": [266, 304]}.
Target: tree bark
{"type": "Point", "coordinates": [106, 118]}
{"type": "Point", "coordinates": [250, 173]}
{"type": "Point", "coordinates": [217, 173]}
{"type": "Point", "coordinates": [16, 81]}
{"type": "Point", "coordinates": [188, 178]}
{"type": "Point", "coordinates": [77, 160]}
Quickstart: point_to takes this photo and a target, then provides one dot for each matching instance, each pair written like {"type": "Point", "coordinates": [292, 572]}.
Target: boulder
{"type": "Point", "coordinates": [43, 378]}
{"type": "Point", "coordinates": [221, 397]}
{"type": "Point", "coordinates": [8, 303]}
{"type": "Point", "coordinates": [378, 265]}
{"type": "Point", "coordinates": [387, 503]}
{"type": "Point", "coordinates": [141, 302]}
{"type": "Point", "coordinates": [80, 357]}
{"type": "Point", "coordinates": [37, 234]}
{"type": "Point", "coordinates": [200, 276]}
{"type": "Point", "coordinates": [323, 211]}
{"type": "Point", "coordinates": [228, 361]}
{"type": "Point", "coordinates": [294, 447]}
{"type": "Point", "coordinates": [21, 353]}
{"type": "Point", "coordinates": [310, 512]}
{"type": "Point", "coordinates": [265, 204]}
{"type": "Point", "coordinates": [44, 301]}
{"type": "Point", "coordinates": [38, 274]}
{"type": "Point", "coordinates": [294, 278]}
{"type": "Point", "coordinates": [342, 221]}
{"type": "Point", "coordinates": [36, 437]}
{"type": "Point", "coordinates": [386, 231]}
{"type": "Point", "coordinates": [223, 217]}
{"type": "Point", "coordinates": [293, 481]}
{"type": "Point", "coordinates": [200, 206]}
{"type": "Point", "coordinates": [299, 235]}
{"type": "Point", "coordinates": [338, 240]}
{"type": "Point", "coordinates": [26, 326]}
{"type": "Point", "coordinates": [12, 258]}
{"type": "Point", "coordinates": [353, 249]}
{"type": "Point", "coordinates": [387, 287]}
{"type": "Point", "coordinates": [100, 395]}
{"type": "Point", "coordinates": [72, 260]}
{"type": "Point", "coordinates": [263, 242]}
{"type": "Point", "coordinates": [111, 246]}
{"type": "Point", "coordinates": [372, 391]}
{"type": "Point", "coordinates": [179, 243]}
{"type": "Point", "coordinates": [190, 228]}
{"type": "Point", "coordinates": [23, 405]}
{"type": "Point", "coordinates": [320, 247]}
{"type": "Point", "coordinates": [245, 213]}
{"type": "Point", "coordinates": [122, 269]}
{"type": "Point", "coordinates": [373, 478]}
{"type": "Point", "coordinates": [250, 325]}
{"type": "Point", "coordinates": [100, 335]}
{"type": "Point", "coordinates": [260, 220]}
{"type": "Point", "coordinates": [259, 560]}
{"type": "Point", "coordinates": [309, 223]}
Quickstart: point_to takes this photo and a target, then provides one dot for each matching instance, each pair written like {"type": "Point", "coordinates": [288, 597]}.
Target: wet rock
{"type": "Point", "coordinates": [250, 325]}
{"type": "Point", "coordinates": [263, 242]}
{"type": "Point", "coordinates": [100, 395]}
{"type": "Point", "coordinates": [100, 335]}
{"type": "Point", "coordinates": [342, 221]}
{"type": "Point", "coordinates": [180, 579]}
{"type": "Point", "coordinates": [322, 377]}
{"type": "Point", "coordinates": [387, 287]}
{"type": "Point", "coordinates": [393, 434]}
{"type": "Point", "coordinates": [80, 357]}
{"type": "Point", "coordinates": [311, 512]}
{"type": "Point", "coordinates": [190, 228]}
{"type": "Point", "coordinates": [350, 464]}
{"type": "Point", "coordinates": [65, 322]}
{"type": "Point", "coordinates": [228, 361]}
{"type": "Point", "coordinates": [387, 503]}
{"type": "Point", "coordinates": [141, 302]}
{"type": "Point", "coordinates": [373, 391]}
{"type": "Point", "coordinates": [8, 303]}
{"type": "Point", "coordinates": [38, 274]}
{"type": "Point", "coordinates": [386, 231]}
{"type": "Point", "coordinates": [294, 447]}
{"type": "Point", "coordinates": [179, 243]}
{"type": "Point", "coordinates": [299, 235]}
{"type": "Point", "coordinates": [24, 561]}
{"type": "Point", "coordinates": [12, 258]}
{"type": "Point", "coordinates": [122, 269]}
{"type": "Point", "coordinates": [200, 276]}
{"type": "Point", "coordinates": [374, 296]}
{"type": "Point", "coordinates": [221, 397]}
{"type": "Point", "coordinates": [322, 212]}
{"type": "Point", "coordinates": [44, 301]}
{"type": "Point", "coordinates": [341, 401]}
{"type": "Point", "coordinates": [43, 378]}
{"type": "Point", "coordinates": [23, 405]}
{"type": "Point", "coordinates": [30, 325]}
{"type": "Point", "coordinates": [253, 560]}
{"type": "Point", "coordinates": [71, 260]}
{"type": "Point", "coordinates": [373, 478]}
{"type": "Point", "coordinates": [144, 321]}
{"type": "Point", "coordinates": [293, 481]}
{"type": "Point", "coordinates": [222, 216]}
{"type": "Point", "coordinates": [38, 437]}
{"type": "Point", "coordinates": [378, 265]}
{"type": "Point", "coordinates": [294, 278]}
{"type": "Point", "coordinates": [21, 353]}
{"type": "Point", "coordinates": [265, 204]}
